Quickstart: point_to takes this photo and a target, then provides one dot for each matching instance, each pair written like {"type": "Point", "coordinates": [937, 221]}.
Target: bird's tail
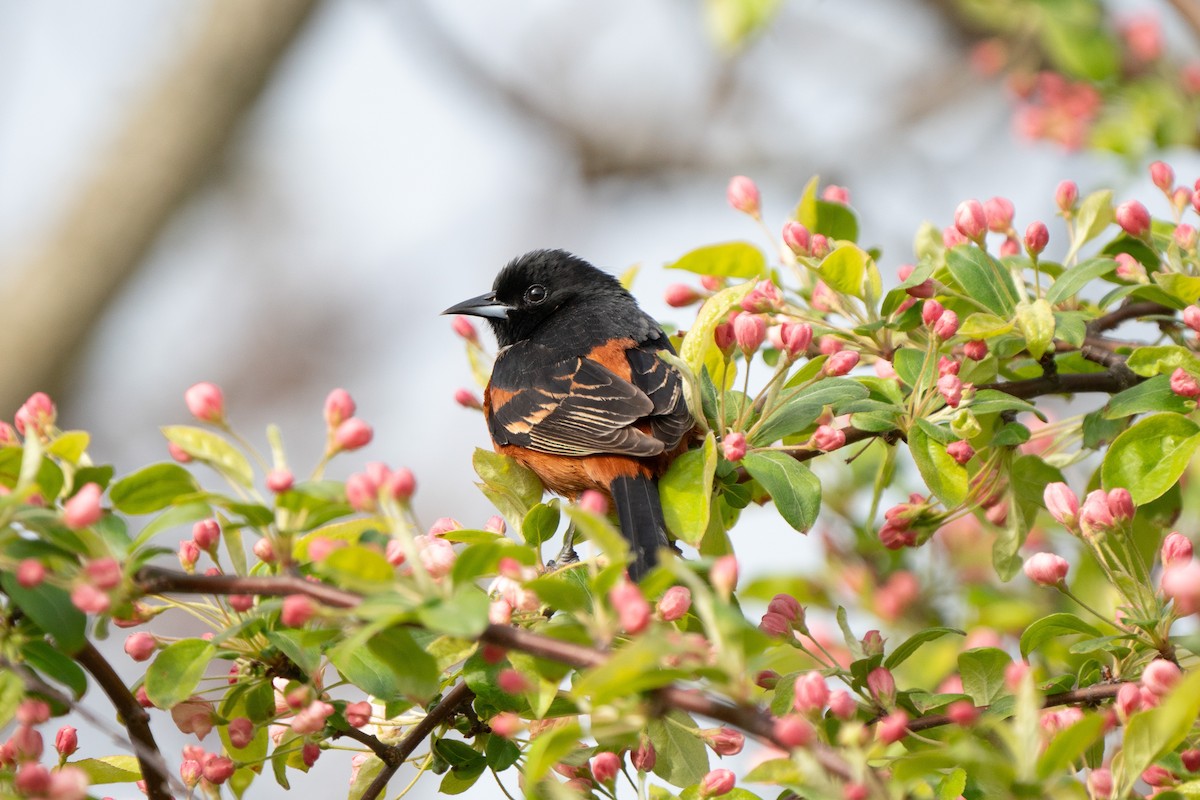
{"type": "Point", "coordinates": [641, 516]}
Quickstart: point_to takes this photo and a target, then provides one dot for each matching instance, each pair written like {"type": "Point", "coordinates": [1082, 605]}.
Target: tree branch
{"type": "Point", "coordinates": [136, 721]}
{"type": "Point", "coordinates": [1086, 696]}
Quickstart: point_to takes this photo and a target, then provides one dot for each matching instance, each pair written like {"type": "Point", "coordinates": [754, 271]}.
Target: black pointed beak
{"type": "Point", "coordinates": [485, 305]}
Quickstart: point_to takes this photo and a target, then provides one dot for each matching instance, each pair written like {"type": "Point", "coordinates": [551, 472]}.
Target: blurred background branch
{"type": "Point", "coordinates": [166, 151]}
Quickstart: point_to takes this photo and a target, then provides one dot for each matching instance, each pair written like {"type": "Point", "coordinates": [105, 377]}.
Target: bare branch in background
{"type": "Point", "coordinates": [164, 154]}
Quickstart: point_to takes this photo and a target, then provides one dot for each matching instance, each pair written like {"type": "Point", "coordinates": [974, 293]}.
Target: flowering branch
{"type": "Point", "coordinates": [1088, 695]}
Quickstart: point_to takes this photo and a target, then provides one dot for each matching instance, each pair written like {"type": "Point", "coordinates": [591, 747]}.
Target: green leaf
{"type": "Point", "coordinates": [51, 609]}
{"type": "Point", "coordinates": [682, 756]}
{"type": "Point", "coordinates": [993, 401]}
{"type": "Point", "coordinates": [1151, 734]}
{"type": "Point", "coordinates": [844, 268]}
{"type": "Point", "coordinates": [1184, 287]}
{"type": "Point", "coordinates": [152, 488]}
{"type": "Point", "coordinates": [56, 666]}
{"type": "Point", "coordinates": [1152, 394]}
{"type": "Point", "coordinates": [548, 749]}
{"type": "Point", "coordinates": [730, 260]}
{"type": "Point", "coordinates": [12, 692]}
{"type": "Point", "coordinates": [952, 786]}
{"type": "Point", "coordinates": [110, 769]}
{"type": "Point", "coordinates": [982, 671]}
{"type": "Point", "coordinates": [802, 409]}
{"type": "Point", "coordinates": [303, 647]}
{"type": "Point", "coordinates": [1150, 456]}
{"type": "Point", "coordinates": [69, 446]}
{"type": "Point", "coordinates": [357, 568]}
{"type": "Point", "coordinates": [699, 344]}
{"type": "Point", "coordinates": [363, 778]}
{"type": "Point", "coordinates": [501, 753]}
{"type": "Point", "coordinates": [793, 487]}
{"type": "Point", "coordinates": [1094, 215]}
{"type": "Point", "coordinates": [176, 671]}
{"type": "Point", "coordinates": [984, 279]}
{"type": "Point", "coordinates": [686, 492]}
{"type": "Point", "coordinates": [465, 614]}
{"type": "Point", "coordinates": [512, 488]}
{"type": "Point", "coordinates": [389, 665]}
{"type": "Point", "coordinates": [213, 449]}
{"type": "Point", "coordinates": [1068, 284]}
{"type": "Point", "coordinates": [1163, 359]}
{"type": "Point", "coordinates": [1036, 322]}
{"type": "Point", "coordinates": [540, 524]}
{"type": "Point", "coordinates": [1052, 627]}
{"type": "Point", "coordinates": [944, 476]}
{"type": "Point", "coordinates": [914, 642]}
{"type": "Point", "coordinates": [1067, 746]}
{"type": "Point", "coordinates": [982, 325]}
{"type": "Point", "coordinates": [833, 220]}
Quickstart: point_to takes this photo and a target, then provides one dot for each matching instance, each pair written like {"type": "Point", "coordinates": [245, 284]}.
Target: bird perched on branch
{"type": "Point", "coordinates": [578, 392]}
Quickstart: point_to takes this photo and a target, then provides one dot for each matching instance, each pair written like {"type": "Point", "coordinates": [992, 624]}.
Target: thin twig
{"type": "Point", "coordinates": [1087, 696]}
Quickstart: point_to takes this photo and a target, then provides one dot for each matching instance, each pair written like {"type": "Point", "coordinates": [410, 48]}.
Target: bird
{"type": "Point", "coordinates": [578, 392]}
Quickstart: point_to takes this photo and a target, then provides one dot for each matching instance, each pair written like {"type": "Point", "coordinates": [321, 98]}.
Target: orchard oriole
{"type": "Point", "coordinates": [578, 393]}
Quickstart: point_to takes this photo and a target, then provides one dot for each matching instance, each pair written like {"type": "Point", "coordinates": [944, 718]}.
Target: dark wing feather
{"type": "Point", "coordinates": [670, 419]}
{"type": "Point", "coordinates": [573, 407]}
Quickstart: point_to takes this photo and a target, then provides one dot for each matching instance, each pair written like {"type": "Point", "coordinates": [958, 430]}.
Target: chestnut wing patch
{"type": "Point", "coordinates": [573, 407]}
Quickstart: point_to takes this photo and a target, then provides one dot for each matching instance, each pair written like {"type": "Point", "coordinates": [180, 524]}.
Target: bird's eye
{"type": "Point", "coordinates": [535, 294]}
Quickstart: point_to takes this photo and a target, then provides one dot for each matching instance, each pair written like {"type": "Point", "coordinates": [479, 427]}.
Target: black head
{"type": "Point", "coordinates": [539, 286]}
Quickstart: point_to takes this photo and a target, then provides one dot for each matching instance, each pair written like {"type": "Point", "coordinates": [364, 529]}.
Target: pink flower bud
{"type": "Point", "coordinates": [961, 451]}
{"type": "Point", "coordinates": [218, 770]}
{"type": "Point", "coordinates": [796, 337]}
{"type": "Point", "coordinates": [1160, 676]}
{"type": "Point", "coordinates": [437, 555]}
{"type": "Point", "coordinates": [828, 345]}
{"type": "Point", "coordinates": [717, 782]}
{"type": "Point", "coordinates": [1120, 504]}
{"type": "Point", "coordinates": [724, 575]}
{"type": "Point", "coordinates": [1062, 504]}
{"type": "Point", "coordinates": [1010, 247]}
{"type": "Point", "coordinates": [950, 387]}
{"type": "Point", "coordinates": [633, 612]}
{"type": "Point", "coordinates": [83, 509]}
{"type": "Point", "coordinates": [309, 753]}
{"type": "Point", "coordinates": [142, 699]}
{"type": "Point", "coordinates": [1066, 195]}
{"type": "Point", "coordinates": [1158, 776]}
{"type": "Point", "coordinates": [32, 712]}
{"type": "Point", "coordinates": [842, 705]}
{"type": "Point", "coordinates": [205, 402]}
{"type": "Point", "coordinates": [1176, 549]}
{"type": "Point", "coordinates": [241, 602]}
{"type": "Point", "coordinates": [1162, 176]}
{"type": "Point", "coordinates": [339, 407]}
{"type": "Point", "coordinates": [976, 349]}
{"type": "Point", "coordinates": [743, 195]}
{"type": "Point", "coordinates": [263, 550]}
{"type": "Point", "coordinates": [893, 727]}
{"type": "Point", "coordinates": [468, 399]}
{"type": "Point", "coordinates": [680, 295]}
{"type": "Point", "coordinates": [948, 366]}
{"type": "Point", "coordinates": [506, 724]}
{"type": "Point", "coordinates": [140, 646]}
{"type": "Point", "coordinates": [1133, 218]}
{"type": "Point", "coordinates": [1191, 760]}
{"type": "Point", "coordinates": [792, 731]}
{"type": "Point", "coordinates": [1014, 675]}
{"type": "Point", "coordinates": [352, 434]}
{"type": "Point", "coordinates": [593, 502]}
{"type": "Point", "coordinates": [946, 325]}
{"type": "Point", "coordinates": [811, 693]}
{"type": "Point", "coordinates": [970, 219]}
{"type": "Point", "coordinates": [512, 682]}
{"type": "Point", "coordinates": [32, 779]}
{"type": "Point", "coordinates": [36, 415]}
{"type": "Point", "coordinates": [674, 603]}
{"type": "Point", "coordinates": [836, 194]}
{"type": "Point", "coordinates": [963, 713]}
{"type": "Point", "coordinates": [644, 756]}
{"type": "Point", "coordinates": [1195, 205]}
{"type": "Point", "coordinates": [401, 484]}
{"type": "Point", "coordinates": [362, 493]}
{"type": "Point", "coordinates": [766, 679]}
{"type": "Point", "coordinates": [819, 245]}
{"type": "Point", "coordinates": [776, 625]}
{"type": "Point", "coordinates": [796, 237]}
{"type": "Point", "coordinates": [882, 686]}
{"type": "Point", "coordinates": [66, 741]}
{"type": "Point", "coordinates": [1128, 700]}
{"type": "Point", "coordinates": [840, 363]}
{"type": "Point", "coordinates": [311, 718]}
{"type": "Point", "coordinates": [279, 480]}
{"type": "Point", "coordinates": [999, 213]}
{"type": "Point", "coordinates": [724, 741]}
{"type": "Point", "coordinates": [1047, 569]}
{"type": "Point", "coordinates": [8, 435]}
{"type": "Point", "coordinates": [464, 328]}
{"type": "Point", "coordinates": [723, 336]}
{"type": "Point", "coordinates": [1036, 238]}
{"type": "Point", "coordinates": [952, 237]}
{"type": "Point", "coordinates": [1185, 237]}
{"type": "Point", "coordinates": [444, 525]}
{"type": "Point", "coordinates": [872, 641]}
{"type": "Point", "coordinates": [931, 310]}
{"type": "Point", "coordinates": [827, 437]}
{"type": "Point", "coordinates": [90, 600]}
{"type": "Point", "coordinates": [788, 606]}
{"type": "Point", "coordinates": [206, 533]}
{"type": "Point", "coordinates": [733, 445]}
{"type": "Point", "coordinates": [241, 732]}
{"type": "Point", "coordinates": [765, 296]}
{"type": "Point", "coordinates": [297, 609]}
{"type": "Point", "coordinates": [605, 767]}
{"type": "Point", "coordinates": [749, 331]}
{"type": "Point", "coordinates": [358, 714]}
{"type": "Point", "coordinates": [30, 572]}
{"type": "Point", "coordinates": [1184, 385]}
